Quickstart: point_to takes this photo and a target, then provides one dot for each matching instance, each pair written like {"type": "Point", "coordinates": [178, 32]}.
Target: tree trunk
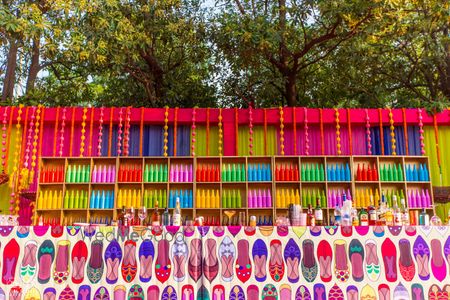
{"type": "Point", "coordinates": [10, 75]}
{"type": "Point", "coordinates": [291, 90]}
{"type": "Point", "coordinates": [34, 66]}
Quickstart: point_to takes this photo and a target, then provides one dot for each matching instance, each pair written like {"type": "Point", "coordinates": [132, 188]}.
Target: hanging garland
{"type": "Point", "coordinates": [193, 132]}
{"type": "Point", "coordinates": [23, 175]}
{"type": "Point", "coordinates": [421, 131]}
{"type": "Point", "coordinates": [405, 132]}
{"type": "Point", "coordinates": [29, 141]}
{"type": "Point", "coordinates": [100, 132]}
{"type": "Point", "coordinates": [15, 174]}
{"type": "Point", "coordinates": [166, 131]}
{"type": "Point", "coordinates": [175, 131]}
{"type": "Point", "coordinates": [111, 114]}
{"type": "Point", "coordinates": [368, 137]}
{"type": "Point", "coordinates": [119, 133]}
{"type": "Point", "coordinates": [250, 131]}
{"type": "Point", "coordinates": [306, 132]}
{"type": "Point", "coordinates": [392, 128]}
{"type": "Point", "coordinates": [207, 131]}
{"type": "Point", "coordinates": [72, 130]}
{"type": "Point", "coordinates": [126, 135]}
{"type": "Point", "coordinates": [55, 135]}
{"type": "Point", "coordinates": [4, 138]}
{"type": "Point", "coordinates": [338, 132]}
{"type": "Point", "coordinates": [10, 125]}
{"type": "Point", "coordinates": [34, 152]}
{"type": "Point", "coordinates": [380, 115]}
{"type": "Point", "coordinates": [83, 131]}
{"type": "Point", "coordinates": [281, 130]}
{"type": "Point", "coordinates": [220, 148]}
{"type": "Point", "coordinates": [91, 131]}
{"type": "Point", "coordinates": [294, 118]}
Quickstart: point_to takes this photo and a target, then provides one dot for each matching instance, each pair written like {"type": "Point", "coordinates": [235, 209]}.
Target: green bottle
{"type": "Point", "coordinates": [229, 172]}
{"type": "Point", "coordinates": [83, 174]}
{"type": "Point", "coordinates": [157, 175]}
{"type": "Point", "coordinates": [66, 200]}
{"type": "Point", "coordinates": [69, 174]}
{"type": "Point", "coordinates": [307, 174]}
{"type": "Point", "coordinates": [317, 173]}
{"type": "Point", "coordinates": [243, 172]}
{"type": "Point", "coordinates": [224, 199]}
{"type": "Point", "coordinates": [308, 198]}
{"type": "Point", "coordinates": [165, 173]}
{"type": "Point", "coordinates": [400, 173]}
{"type": "Point", "coordinates": [303, 173]}
{"type": "Point", "coordinates": [161, 174]}
{"type": "Point", "coordinates": [78, 174]}
{"type": "Point", "coordinates": [394, 173]}
{"type": "Point", "coordinates": [382, 173]}
{"type": "Point", "coordinates": [322, 174]}
{"type": "Point", "coordinates": [389, 173]}
{"type": "Point", "coordinates": [233, 199]}
{"type": "Point", "coordinates": [238, 173]}
{"type": "Point", "coordinates": [233, 173]}
{"type": "Point", "coordinates": [88, 173]}
{"type": "Point", "coordinates": [323, 200]}
{"type": "Point", "coordinates": [304, 203]}
{"type": "Point", "coordinates": [238, 200]}
{"type": "Point", "coordinates": [71, 199]}
{"type": "Point", "coordinates": [164, 196]}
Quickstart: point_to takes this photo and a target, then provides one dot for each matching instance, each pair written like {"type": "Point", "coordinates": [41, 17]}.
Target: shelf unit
{"type": "Point", "coordinates": [240, 184]}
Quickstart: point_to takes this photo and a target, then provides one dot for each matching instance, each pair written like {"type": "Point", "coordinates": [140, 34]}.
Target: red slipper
{"type": "Point", "coordinates": [324, 256]}
{"type": "Point", "coordinates": [389, 253]}
{"type": "Point", "coordinates": [79, 258]}
{"type": "Point", "coordinates": [10, 257]}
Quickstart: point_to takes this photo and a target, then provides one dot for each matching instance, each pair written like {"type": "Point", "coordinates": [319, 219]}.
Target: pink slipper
{"type": "Point", "coordinates": [10, 257]}
{"type": "Point", "coordinates": [243, 262]}
{"type": "Point", "coordinates": [438, 266]}
{"type": "Point", "coordinates": [389, 253]}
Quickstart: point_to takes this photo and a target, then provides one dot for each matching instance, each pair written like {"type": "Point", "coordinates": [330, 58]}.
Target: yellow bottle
{"type": "Point", "coordinates": [203, 199]}
{"type": "Point", "coordinates": [208, 198]}
{"type": "Point", "coordinates": [377, 197]}
{"type": "Point", "coordinates": [283, 198]}
{"type": "Point", "coordinates": [197, 198]}
{"type": "Point", "coordinates": [278, 200]}
{"type": "Point", "coordinates": [297, 197]}
{"type": "Point", "coordinates": [217, 202]}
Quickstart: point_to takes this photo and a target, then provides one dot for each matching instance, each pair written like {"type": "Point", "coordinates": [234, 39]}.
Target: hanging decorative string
{"type": "Point", "coordinates": [14, 177]}
{"type": "Point", "coordinates": [100, 132]}
{"type": "Point", "coordinates": [207, 131]}
{"type": "Point", "coordinates": [83, 131]}
{"type": "Point", "coordinates": [175, 131]}
{"type": "Point", "coordinates": [72, 131]}
{"type": "Point", "coordinates": [8, 141]}
{"type": "Point", "coordinates": [380, 116]}
{"type": "Point", "coordinates": [338, 132]}
{"type": "Point", "coordinates": [29, 141]}
{"type": "Point", "coordinates": [63, 125]}
{"type": "Point", "coordinates": [166, 131]}
{"type": "Point", "coordinates": [55, 135]}
{"type": "Point", "coordinates": [193, 132]}
{"type": "Point", "coordinates": [91, 132]}
{"type": "Point", "coordinates": [34, 152]}
{"type": "Point", "coordinates": [294, 120]}
{"type": "Point", "coordinates": [4, 138]}
{"type": "Point", "coordinates": [392, 128]}
{"type": "Point", "coordinates": [306, 132]}
{"type": "Point", "coordinates": [119, 133]}
{"type": "Point", "coordinates": [111, 114]}
{"type": "Point", "coordinates": [126, 135]}
{"type": "Point", "coordinates": [250, 130]}
{"type": "Point", "coordinates": [368, 137]}
{"type": "Point", "coordinates": [281, 130]}
{"type": "Point", "coordinates": [405, 132]}
{"type": "Point", "coordinates": [220, 147]}
{"type": "Point", "coordinates": [421, 132]}
{"type": "Point", "coordinates": [24, 177]}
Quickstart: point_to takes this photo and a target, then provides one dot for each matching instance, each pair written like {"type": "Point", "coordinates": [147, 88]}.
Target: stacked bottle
{"type": "Point", "coordinates": [207, 173]}
{"type": "Point", "coordinates": [78, 173]}
{"type": "Point", "coordinates": [104, 174]}
{"type": "Point", "coordinates": [338, 172]}
{"type": "Point", "coordinates": [336, 197]}
{"type": "Point", "coordinates": [51, 174]}
{"type": "Point", "coordinates": [364, 172]}
{"type": "Point", "coordinates": [49, 199]}
{"type": "Point", "coordinates": [211, 221]}
{"type": "Point", "coordinates": [75, 199]}
{"type": "Point", "coordinates": [417, 174]}
{"type": "Point", "coordinates": [419, 198]}
{"type": "Point", "coordinates": [364, 197]}
{"type": "Point", "coordinates": [286, 196]}
{"type": "Point", "coordinates": [309, 196]}
{"type": "Point", "coordinates": [102, 199]}
{"type": "Point", "coordinates": [151, 196]}
{"type": "Point", "coordinates": [181, 173]}
{"type": "Point", "coordinates": [259, 198]}
{"type": "Point", "coordinates": [155, 173]}
{"type": "Point", "coordinates": [259, 172]}
{"type": "Point", "coordinates": [99, 220]}
{"type": "Point", "coordinates": [231, 199]}
{"type": "Point", "coordinates": [284, 172]}
{"type": "Point", "coordinates": [264, 221]}
{"type": "Point", "coordinates": [49, 221]}
{"type": "Point", "coordinates": [129, 198]}
{"type": "Point", "coordinates": [130, 173]}
{"type": "Point", "coordinates": [233, 172]}
{"type": "Point", "coordinates": [186, 198]}
{"type": "Point", "coordinates": [388, 195]}
{"type": "Point", "coordinates": [313, 172]}
{"type": "Point", "coordinates": [391, 172]}
{"type": "Point", "coordinates": [206, 198]}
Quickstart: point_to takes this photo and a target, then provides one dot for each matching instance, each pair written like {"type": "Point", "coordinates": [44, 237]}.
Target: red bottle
{"type": "Point", "coordinates": [375, 173]}
{"type": "Point", "coordinates": [198, 173]}
{"type": "Point", "coordinates": [291, 173]}
{"type": "Point", "coordinates": [369, 174]}
{"type": "Point", "coordinates": [296, 173]}
{"type": "Point", "coordinates": [358, 173]}
{"type": "Point", "coordinates": [121, 174]}
{"type": "Point", "coordinates": [218, 173]}
{"type": "Point", "coordinates": [277, 173]}
{"type": "Point", "coordinates": [364, 173]}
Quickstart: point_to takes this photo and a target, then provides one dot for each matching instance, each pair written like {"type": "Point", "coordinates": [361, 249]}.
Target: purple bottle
{"type": "Point", "coordinates": [190, 178]}
{"type": "Point", "coordinates": [104, 174]}
{"type": "Point", "coordinates": [264, 198]}
{"type": "Point", "coordinates": [250, 199]}
{"type": "Point", "coordinates": [259, 199]}
{"type": "Point", "coordinates": [176, 174]}
{"type": "Point", "coordinates": [428, 198]}
{"type": "Point", "coordinates": [269, 198]}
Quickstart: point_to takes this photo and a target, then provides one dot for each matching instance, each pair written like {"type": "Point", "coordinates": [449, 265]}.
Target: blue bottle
{"type": "Point", "coordinates": [333, 173]}
{"type": "Point", "coordinates": [421, 173]}
{"type": "Point", "coordinates": [191, 205]}
{"type": "Point", "coordinates": [342, 172]}
{"type": "Point", "coordinates": [407, 172]}
{"type": "Point", "coordinates": [426, 176]}
{"type": "Point", "coordinates": [268, 174]}
{"type": "Point", "coordinates": [250, 172]}
{"type": "Point", "coordinates": [92, 202]}
{"type": "Point", "coordinates": [415, 174]}
{"type": "Point", "coordinates": [259, 174]}
{"type": "Point", "coordinates": [347, 172]}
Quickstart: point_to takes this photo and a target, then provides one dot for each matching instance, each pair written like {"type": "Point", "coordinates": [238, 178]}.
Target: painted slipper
{"type": "Point", "coordinates": [356, 257]}
{"type": "Point", "coordinates": [113, 256]}
{"type": "Point", "coordinates": [79, 258]}
{"type": "Point", "coordinates": [417, 292]}
{"type": "Point", "coordinates": [276, 264]}
{"type": "Point", "coordinates": [179, 257]}
{"type": "Point", "coordinates": [146, 256]}
{"type": "Point", "coordinates": [243, 263]}
{"type": "Point", "coordinates": [410, 230]}
{"type": "Point", "coordinates": [320, 293]}
{"type": "Point", "coordinates": [352, 293]}
{"type": "Point", "coordinates": [163, 265]}
{"type": "Point", "coordinates": [236, 293]}
{"type": "Point", "coordinates": [101, 294]}
{"type": "Point", "coordinates": [372, 263]}
{"type": "Point", "coordinates": [421, 253]}
{"type": "Point", "coordinates": [153, 292]}
{"type": "Point", "coordinates": [61, 270]}
{"type": "Point", "coordinates": [405, 262]}
{"type": "Point", "coordinates": [227, 253]}
{"type": "Point", "coordinates": [335, 293]}
{"type": "Point", "coordinates": [401, 293]}
{"type": "Point", "coordinates": [56, 231]}
{"type": "Point", "coordinates": [169, 293]}
{"type": "Point", "coordinates": [119, 292]}
{"type": "Point", "coordinates": [218, 292]}
{"type": "Point", "coordinates": [446, 292]}
{"type": "Point", "coordinates": [129, 264]}
{"type": "Point", "coordinates": [32, 294]}
{"type": "Point", "coordinates": [252, 292]}
{"type": "Point", "coordinates": [95, 266]}
{"type": "Point", "coordinates": [46, 254]}
{"type": "Point", "coordinates": [324, 256]}
{"type": "Point", "coordinates": [2, 294]}
{"type": "Point", "coordinates": [282, 230]}
{"type": "Point", "coordinates": [210, 261]}
{"type": "Point", "coordinates": [28, 266]}
{"type": "Point", "coordinates": [195, 259]}
{"type": "Point", "coordinates": [315, 230]}
{"type": "Point", "coordinates": [23, 231]}
{"type": "Point", "coordinates": [187, 292]}
{"type": "Point", "coordinates": [136, 293]}
{"type": "Point", "coordinates": [447, 252]}
{"type": "Point", "coordinates": [368, 293]}
{"type": "Point", "coordinates": [285, 291]}
{"type": "Point", "coordinates": [346, 231]}
{"type": "Point", "coordinates": [269, 292]}
{"type": "Point", "coordinates": [84, 292]}
{"type": "Point", "coordinates": [395, 230]}
{"type": "Point", "coordinates": [384, 292]}
{"type": "Point", "coordinates": [259, 253]}
{"type": "Point", "coordinates": [331, 230]}
{"type": "Point", "coordinates": [10, 257]}
{"type": "Point", "coordinates": [389, 253]}
{"type": "Point", "coordinates": [434, 292]}
{"type": "Point", "coordinates": [67, 294]}
{"type": "Point", "coordinates": [49, 294]}
{"type": "Point", "coordinates": [341, 268]}
{"type": "Point", "coordinates": [309, 265]}
{"type": "Point", "coordinates": [302, 293]}
{"type": "Point", "coordinates": [438, 266]}
{"type": "Point", "coordinates": [378, 231]}
{"type": "Point", "coordinates": [203, 294]}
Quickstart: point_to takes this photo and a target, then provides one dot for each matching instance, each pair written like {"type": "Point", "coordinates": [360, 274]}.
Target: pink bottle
{"type": "Point", "coordinates": [191, 174]}
{"type": "Point", "coordinates": [177, 174]}
{"type": "Point", "coordinates": [264, 198]}
{"type": "Point", "coordinates": [428, 197]}
{"type": "Point", "coordinates": [250, 199]}
{"type": "Point", "coordinates": [94, 174]}
{"type": "Point", "coordinates": [104, 174]}
{"type": "Point", "coordinates": [269, 198]}
{"type": "Point", "coordinates": [259, 199]}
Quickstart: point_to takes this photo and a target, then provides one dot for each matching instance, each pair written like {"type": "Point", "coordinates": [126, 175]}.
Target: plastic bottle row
{"type": "Point", "coordinates": [98, 220]}
{"type": "Point", "coordinates": [312, 172]}
{"type": "Point", "coordinates": [102, 199]}
{"type": "Point", "coordinates": [233, 172]}
{"type": "Point", "coordinates": [419, 198]}
{"type": "Point", "coordinates": [336, 197]}
{"type": "Point", "coordinates": [259, 172]}
{"type": "Point", "coordinates": [388, 196]}
{"type": "Point", "coordinates": [231, 199]}
{"type": "Point", "coordinates": [264, 221]}
{"type": "Point", "coordinates": [50, 199]}
{"type": "Point", "coordinates": [185, 196]}
{"type": "Point", "coordinates": [75, 199]}
{"type": "Point", "coordinates": [50, 174]}
{"type": "Point", "coordinates": [207, 198]}
{"type": "Point", "coordinates": [78, 173]}
{"type": "Point", "coordinates": [211, 221]}
{"type": "Point", "coordinates": [129, 198]}
{"type": "Point", "coordinates": [104, 174]}
{"type": "Point", "coordinates": [259, 198]}
{"type": "Point", "coordinates": [338, 172]}
{"type": "Point", "coordinates": [130, 173]}
{"type": "Point", "coordinates": [364, 196]}
{"type": "Point", "coordinates": [309, 196]}
{"type": "Point", "coordinates": [285, 172]}
{"type": "Point", "coordinates": [207, 173]}
{"type": "Point", "coordinates": [417, 174]}
{"type": "Point", "coordinates": [285, 196]}
{"type": "Point", "coordinates": [391, 172]}
{"type": "Point", "coordinates": [155, 173]}
{"type": "Point", "coordinates": [181, 173]}
{"type": "Point", "coordinates": [364, 172]}
{"type": "Point", "coordinates": [153, 196]}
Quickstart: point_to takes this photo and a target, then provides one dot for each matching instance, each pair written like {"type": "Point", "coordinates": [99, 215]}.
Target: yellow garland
{"type": "Point", "coordinates": [83, 131]}
{"type": "Point", "coordinates": [166, 131]}
{"type": "Point", "coordinates": [220, 148]}
{"type": "Point", "coordinates": [281, 131]}
{"type": "Point", "coordinates": [35, 143]}
{"type": "Point", "coordinates": [393, 141]}
{"type": "Point", "coordinates": [338, 132]}
{"type": "Point", "coordinates": [14, 177]}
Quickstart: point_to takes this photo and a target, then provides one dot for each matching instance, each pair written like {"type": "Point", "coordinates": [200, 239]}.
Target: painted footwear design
{"type": "Point", "coordinates": [324, 256]}
{"type": "Point", "coordinates": [227, 253]}
{"type": "Point", "coordinates": [146, 256]}
{"type": "Point", "coordinates": [243, 264]}
{"type": "Point", "coordinates": [276, 264]}
{"type": "Point", "coordinates": [129, 264]}
{"type": "Point", "coordinates": [79, 258]}
{"type": "Point", "coordinates": [95, 266]}
{"type": "Point", "coordinates": [372, 263]}
{"type": "Point", "coordinates": [195, 259]}
{"type": "Point", "coordinates": [341, 268]}
{"type": "Point", "coordinates": [309, 265]}
{"type": "Point", "coordinates": [10, 257]}
{"type": "Point", "coordinates": [163, 265]}
{"type": "Point", "coordinates": [421, 253]}
{"type": "Point", "coordinates": [113, 257]}
{"type": "Point", "coordinates": [389, 253]}
{"type": "Point", "coordinates": [356, 256]}
{"type": "Point", "coordinates": [61, 269]}
{"type": "Point", "coordinates": [292, 256]}
{"type": "Point", "coordinates": [259, 253]}
{"type": "Point", "coordinates": [179, 258]}
{"type": "Point", "coordinates": [46, 254]}
{"type": "Point", "coordinates": [405, 262]}
{"type": "Point", "coordinates": [28, 266]}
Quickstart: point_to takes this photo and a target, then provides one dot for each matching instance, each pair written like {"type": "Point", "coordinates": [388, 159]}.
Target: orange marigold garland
{"type": "Point", "coordinates": [250, 131]}
{"type": "Point", "coordinates": [126, 135]}
{"type": "Point", "coordinates": [166, 131]}
{"type": "Point", "coordinates": [83, 131]}
{"type": "Point", "coordinates": [4, 139]}
{"type": "Point", "coordinates": [91, 132]}
{"type": "Point", "coordinates": [220, 141]}
{"type": "Point", "coordinates": [338, 132]}
{"type": "Point", "coordinates": [119, 133]}
{"type": "Point", "coordinates": [392, 128]}
{"type": "Point", "coordinates": [34, 152]}
{"type": "Point", "coordinates": [368, 137]}
{"type": "Point", "coordinates": [306, 132]}
{"type": "Point", "coordinates": [281, 130]}
{"type": "Point", "coordinates": [15, 173]}
{"type": "Point", "coordinates": [193, 132]}
{"type": "Point", "coordinates": [26, 149]}
{"type": "Point", "coordinates": [380, 116]}
{"type": "Point", "coordinates": [100, 132]}
{"type": "Point", "coordinates": [421, 132]}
